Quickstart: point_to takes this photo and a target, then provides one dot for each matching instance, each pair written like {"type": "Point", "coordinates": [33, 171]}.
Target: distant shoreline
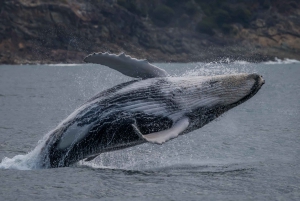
{"type": "Point", "coordinates": [223, 61]}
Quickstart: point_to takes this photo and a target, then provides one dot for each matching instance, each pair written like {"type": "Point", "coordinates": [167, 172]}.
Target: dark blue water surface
{"type": "Point", "coordinates": [250, 153]}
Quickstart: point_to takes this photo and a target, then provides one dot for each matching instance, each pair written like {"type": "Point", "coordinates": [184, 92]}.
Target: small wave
{"type": "Point", "coordinates": [6, 128]}
{"type": "Point", "coordinates": [282, 61]}
{"type": "Point", "coordinates": [64, 64]}
{"type": "Point", "coordinates": [241, 62]}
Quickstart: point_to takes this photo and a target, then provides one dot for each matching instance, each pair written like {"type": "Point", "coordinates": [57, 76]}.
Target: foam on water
{"type": "Point", "coordinates": [284, 61]}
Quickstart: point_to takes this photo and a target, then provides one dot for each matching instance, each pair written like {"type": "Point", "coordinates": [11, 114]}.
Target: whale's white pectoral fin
{"type": "Point", "coordinates": [165, 135]}
{"type": "Point", "coordinates": [127, 65]}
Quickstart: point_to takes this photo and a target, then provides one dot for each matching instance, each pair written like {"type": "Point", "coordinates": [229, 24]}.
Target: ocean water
{"type": "Point", "coordinates": [252, 152]}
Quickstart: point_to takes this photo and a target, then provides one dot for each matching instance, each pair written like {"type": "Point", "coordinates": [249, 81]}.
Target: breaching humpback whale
{"type": "Point", "coordinates": [153, 108]}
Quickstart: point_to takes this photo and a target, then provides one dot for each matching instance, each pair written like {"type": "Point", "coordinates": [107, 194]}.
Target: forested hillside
{"type": "Point", "coordinates": [64, 31]}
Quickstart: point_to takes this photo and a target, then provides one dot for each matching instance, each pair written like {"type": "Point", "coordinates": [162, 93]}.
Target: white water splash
{"type": "Point", "coordinates": [284, 61]}
{"type": "Point", "coordinates": [217, 68]}
{"type": "Point", "coordinates": [29, 161]}
{"type": "Point", "coordinates": [241, 62]}
{"type": "Point", "coordinates": [19, 162]}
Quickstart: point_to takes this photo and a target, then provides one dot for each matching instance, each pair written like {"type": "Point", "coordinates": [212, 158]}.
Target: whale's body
{"type": "Point", "coordinates": [155, 109]}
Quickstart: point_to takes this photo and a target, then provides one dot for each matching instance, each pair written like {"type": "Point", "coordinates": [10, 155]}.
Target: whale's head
{"type": "Point", "coordinates": [232, 90]}
{"type": "Point", "coordinates": [212, 96]}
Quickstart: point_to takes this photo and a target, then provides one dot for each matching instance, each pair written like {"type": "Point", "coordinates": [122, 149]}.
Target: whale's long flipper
{"type": "Point", "coordinates": [127, 65]}
{"type": "Point", "coordinates": [165, 135]}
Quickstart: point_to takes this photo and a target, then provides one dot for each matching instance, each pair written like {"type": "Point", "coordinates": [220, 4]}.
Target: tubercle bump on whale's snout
{"type": "Point", "coordinates": [262, 80]}
{"type": "Point", "coordinates": [259, 81]}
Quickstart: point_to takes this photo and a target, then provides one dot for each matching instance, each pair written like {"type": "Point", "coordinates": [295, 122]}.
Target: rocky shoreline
{"type": "Point", "coordinates": [66, 31]}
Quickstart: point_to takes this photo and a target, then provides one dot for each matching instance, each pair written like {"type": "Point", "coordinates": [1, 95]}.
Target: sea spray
{"type": "Point", "coordinates": [35, 159]}
{"type": "Point", "coordinates": [23, 162]}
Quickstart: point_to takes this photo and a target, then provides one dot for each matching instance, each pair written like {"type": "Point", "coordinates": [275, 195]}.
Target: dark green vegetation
{"type": "Point", "coordinates": [132, 7]}
{"type": "Point", "coordinates": [212, 15]}
{"type": "Point", "coordinates": [220, 14]}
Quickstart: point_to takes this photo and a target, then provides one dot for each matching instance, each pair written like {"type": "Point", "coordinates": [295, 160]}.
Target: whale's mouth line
{"type": "Point", "coordinates": [254, 89]}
